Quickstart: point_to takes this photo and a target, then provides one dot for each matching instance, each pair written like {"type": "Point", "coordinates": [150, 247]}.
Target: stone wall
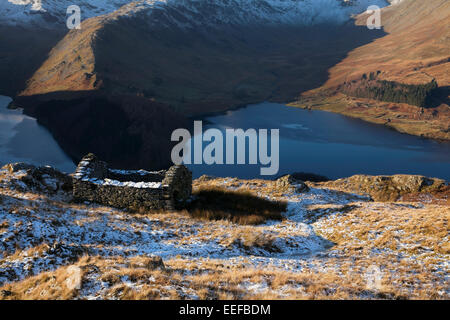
{"type": "Point", "coordinates": [161, 190]}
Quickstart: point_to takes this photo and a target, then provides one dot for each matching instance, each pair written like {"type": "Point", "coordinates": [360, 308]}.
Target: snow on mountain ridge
{"type": "Point", "coordinates": [297, 12]}
{"type": "Point", "coordinates": [188, 13]}
{"type": "Point", "coordinates": [45, 13]}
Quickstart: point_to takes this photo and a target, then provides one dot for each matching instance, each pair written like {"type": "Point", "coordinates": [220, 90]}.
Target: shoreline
{"type": "Point", "coordinates": [337, 108]}
{"type": "Point", "coordinates": [28, 109]}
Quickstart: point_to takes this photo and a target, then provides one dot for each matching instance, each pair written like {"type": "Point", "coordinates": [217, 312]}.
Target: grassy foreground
{"type": "Point", "coordinates": [329, 244]}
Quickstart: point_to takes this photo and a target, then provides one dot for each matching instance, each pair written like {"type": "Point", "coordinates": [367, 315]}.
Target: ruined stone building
{"type": "Point", "coordinates": [166, 190]}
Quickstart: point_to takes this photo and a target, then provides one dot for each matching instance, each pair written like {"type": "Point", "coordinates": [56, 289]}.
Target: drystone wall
{"type": "Point", "coordinates": [135, 190]}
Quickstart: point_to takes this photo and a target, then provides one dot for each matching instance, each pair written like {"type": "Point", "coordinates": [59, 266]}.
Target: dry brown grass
{"type": "Point", "coordinates": [402, 227]}
{"type": "Point", "coordinates": [243, 207]}
{"type": "Point", "coordinates": [408, 242]}
{"type": "Point", "coordinates": [441, 197]}
{"type": "Point", "coordinates": [217, 279]}
{"type": "Point", "coordinates": [248, 239]}
{"type": "Point", "coordinates": [45, 286]}
{"type": "Point", "coordinates": [4, 225]}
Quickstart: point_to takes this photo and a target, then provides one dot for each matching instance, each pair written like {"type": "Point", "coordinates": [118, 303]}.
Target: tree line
{"type": "Point", "coordinates": [391, 91]}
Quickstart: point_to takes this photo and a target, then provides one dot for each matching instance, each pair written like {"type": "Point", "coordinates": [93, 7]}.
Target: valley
{"type": "Point", "coordinates": [414, 52]}
{"type": "Point", "coordinates": [356, 121]}
{"type": "Point", "coordinates": [128, 57]}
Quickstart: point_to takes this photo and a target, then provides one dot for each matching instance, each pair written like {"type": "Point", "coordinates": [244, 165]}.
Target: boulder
{"type": "Point", "coordinates": [292, 184]}
{"type": "Point", "coordinates": [154, 263]}
{"type": "Point", "coordinates": [205, 178]}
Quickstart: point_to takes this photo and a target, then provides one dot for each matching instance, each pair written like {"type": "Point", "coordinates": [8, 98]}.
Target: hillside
{"type": "Point", "coordinates": [36, 26]}
{"type": "Point", "coordinates": [46, 17]}
{"type": "Point", "coordinates": [130, 131]}
{"type": "Point", "coordinates": [328, 243]}
{"type": "Point", "coordinates": [184, 13]}
{"type": "Point", "coordinates": [233, 53]}
{"type": "Point", "coordinates": [415, 51]}
{"type": "Point", "coordinates": [51, 14]}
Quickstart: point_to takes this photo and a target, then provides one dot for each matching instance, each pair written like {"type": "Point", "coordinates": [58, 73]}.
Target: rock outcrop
{"type": "Point", "coordinates": [39, 179]}
{"type": "Point", "coordinates": [387, 188]}
{"type": "Point", "coordinates": [291, 184]}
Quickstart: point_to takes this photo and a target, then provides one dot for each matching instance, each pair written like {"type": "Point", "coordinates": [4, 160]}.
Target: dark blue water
{"type": "Point", "coordinates": [22, 139]}
{"type": "Point", "coordinates": [332, 145]}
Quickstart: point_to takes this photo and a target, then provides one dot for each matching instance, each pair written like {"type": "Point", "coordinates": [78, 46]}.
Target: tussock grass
{"type": "Point", "coordinates": [243, 207]}
{"type": "Point", "coordinates": [248, 239]}
{"type": "Point", "coordinates": [256, 241]}
{"type": "Point", "coordinates": [407, 242]}
{"type": "Point", "coordinates": [4, 225]}
{"type": "Point", "coordinates": [401, 227]}
{"type": "Point", "coordinates": [216, 279]}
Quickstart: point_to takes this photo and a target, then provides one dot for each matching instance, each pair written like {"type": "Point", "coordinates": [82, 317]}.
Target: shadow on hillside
{"type": "Point", "coordinates": [236, 65]}
{"type": "Point", "coordinates": [22, 52]}
{"type": "Point", "coordinates": [316, 214]}
{"type": "Point", "coordinates": [130, 129]}
{"type": "Point", "coordinates": [438, 97]}
{"type": "Point", "coordinates": [126, 131]}
{"type": "Point", "coordinates": [236, 206]}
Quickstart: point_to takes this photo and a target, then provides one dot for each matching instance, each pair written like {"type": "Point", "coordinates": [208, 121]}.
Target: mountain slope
{"type": "Point", "coordinates": [189, 57]}
{"type": "Point", "coordinates": [51, 14]}
{"type": "Point", "coordinates": [233, 52]}
{"type": "Point", "coordinates": [186, 13]}
{"type": "Point", "coordinates": [36, 26]}
{"type": "Point", "coordinates": [415, 51]}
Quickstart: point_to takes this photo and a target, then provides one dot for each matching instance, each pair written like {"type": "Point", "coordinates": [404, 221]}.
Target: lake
{"type": "Point", "coordinates": [22, 139]}
{"type": "Point", "coordinates": [310, 141]}
{"type": "Point", "coordinates": [332, 145]}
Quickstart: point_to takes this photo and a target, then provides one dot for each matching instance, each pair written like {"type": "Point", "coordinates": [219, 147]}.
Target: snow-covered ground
{"type": "Point", "coordinates": [323, 231]}
{"type": "Point", "coordinates": [103, 231]}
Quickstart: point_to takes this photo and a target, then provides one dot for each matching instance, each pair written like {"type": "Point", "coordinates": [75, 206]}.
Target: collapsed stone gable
{"type": "Point", "coordinates": [160, 190]}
